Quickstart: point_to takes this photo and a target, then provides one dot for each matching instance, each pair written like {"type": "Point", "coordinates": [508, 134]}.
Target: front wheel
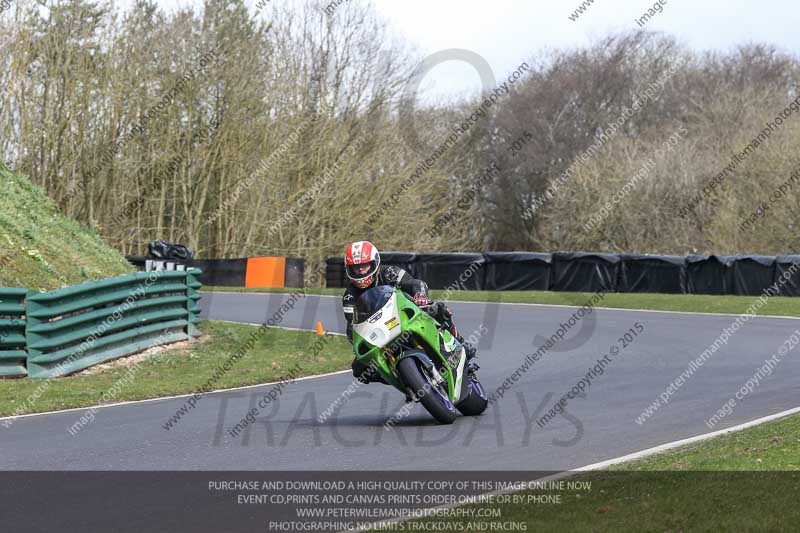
{"type": "Point", "coordinates": [426, 391]}
{"type": "Point", "coordinates": [475, 403]}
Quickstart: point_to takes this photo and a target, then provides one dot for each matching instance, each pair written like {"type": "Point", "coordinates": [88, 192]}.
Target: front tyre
{"type": "Point", "coordinates": [475, 403]}
{"type": "Point", "coordinates": [426, 391]}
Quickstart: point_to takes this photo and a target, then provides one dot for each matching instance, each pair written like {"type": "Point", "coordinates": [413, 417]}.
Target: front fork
{"type": "Point", "coordinates": [446, 381]}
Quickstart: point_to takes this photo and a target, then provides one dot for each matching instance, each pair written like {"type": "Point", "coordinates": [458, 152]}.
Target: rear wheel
{"type": "Point", "coordinates": [477, 401]}
{"type": "Point", "coordinates": [426, 390]}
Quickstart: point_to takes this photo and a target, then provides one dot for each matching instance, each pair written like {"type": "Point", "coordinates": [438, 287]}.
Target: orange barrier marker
{"type": "Point", "coordinates": [320, 331]}
{"type": "Point", "coordinates": [265, 273]}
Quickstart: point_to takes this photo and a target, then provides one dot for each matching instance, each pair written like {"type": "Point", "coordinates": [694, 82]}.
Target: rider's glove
{"type": "Point", "coordinates": [421, 299]}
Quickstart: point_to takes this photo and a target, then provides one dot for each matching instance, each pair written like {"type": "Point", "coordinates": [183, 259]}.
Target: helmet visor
{"type": "Point", "coordinates": [361, 270]}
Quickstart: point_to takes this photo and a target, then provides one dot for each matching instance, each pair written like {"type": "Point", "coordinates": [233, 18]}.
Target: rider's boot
{"type": "Point", "coordinates": [468, 347]}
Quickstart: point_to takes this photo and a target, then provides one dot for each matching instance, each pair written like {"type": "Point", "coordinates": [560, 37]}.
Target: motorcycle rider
{"type": "Point", "coordinates": [362, 264]}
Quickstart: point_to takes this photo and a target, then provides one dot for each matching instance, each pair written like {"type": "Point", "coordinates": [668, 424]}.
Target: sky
{"type": "Point", "coordinates": [507, 32]}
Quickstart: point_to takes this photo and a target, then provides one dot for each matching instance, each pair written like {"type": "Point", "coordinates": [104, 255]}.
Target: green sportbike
{"type": "Point", "coordinates": [412, 352]}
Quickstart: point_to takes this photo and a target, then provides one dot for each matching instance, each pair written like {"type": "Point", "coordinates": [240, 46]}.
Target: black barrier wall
{"type": "Point", "coordinates": [295, 272]}
{"type": "Point", "coordinates": [791, 287]}
{"type": "Point", "coordinates": [709, 274]}
{"type": "Point", "coordinates": [222, 272]}
{"type": "Point", "coordinates": [584, 272]}
{"type": "Point", "coordinates": [652, 273]}
{"type": "Point", "coordinates": [752, 273]}
{"type": "Point", "coordinates": [442, 270]}
{"type": "Point", "coordinates": [232, 272]}
{"type": "Point", "coordinates": [509, 271]}
{"type": "Point", "coordinates": [216, 272]}
{"type": "Point", "coordinates": [591, 272]}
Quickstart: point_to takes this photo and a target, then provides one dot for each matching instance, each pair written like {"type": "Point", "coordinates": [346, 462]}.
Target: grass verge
{"type": "Point", "coordinates": [184, 369]}
{"type": "Point", "coordinates": [696, 303]}
{"type": "Point", "coordinates": [40, 248]}
{"type": "Point", "coordinates": [743, 481]}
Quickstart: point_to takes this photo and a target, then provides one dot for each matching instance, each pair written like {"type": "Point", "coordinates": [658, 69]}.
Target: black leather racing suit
{"type": "Point", "coordinates": [396, 277]}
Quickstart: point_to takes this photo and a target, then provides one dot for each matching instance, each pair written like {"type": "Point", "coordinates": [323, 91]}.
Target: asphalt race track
{"type": "Point", "coordinates": [598, 426]}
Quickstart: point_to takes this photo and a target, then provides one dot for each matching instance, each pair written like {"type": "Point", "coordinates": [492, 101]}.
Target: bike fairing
{"type": "Point", "coordinates": [412, 352]}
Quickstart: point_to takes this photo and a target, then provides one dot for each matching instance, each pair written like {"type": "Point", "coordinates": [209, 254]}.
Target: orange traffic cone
{"type": "Point", "coordinates": [320, 331]}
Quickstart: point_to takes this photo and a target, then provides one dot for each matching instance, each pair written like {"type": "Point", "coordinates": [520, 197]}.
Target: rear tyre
{"type": "Point", "coordinates": [426, 391]}
{"type": "Point", "coordinates": [476, 403]}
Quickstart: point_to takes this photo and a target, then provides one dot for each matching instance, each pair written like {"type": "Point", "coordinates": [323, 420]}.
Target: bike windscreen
{"type": "Point", "coordinates": [371, 302]}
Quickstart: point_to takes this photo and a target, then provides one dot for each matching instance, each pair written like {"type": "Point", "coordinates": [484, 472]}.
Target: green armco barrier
{"type": "Point", "coordinates": [194, 310]}
{"type": "Point", "coordinates": [12, 333]}
{"type": "Point", "coordinates": [73, 328]}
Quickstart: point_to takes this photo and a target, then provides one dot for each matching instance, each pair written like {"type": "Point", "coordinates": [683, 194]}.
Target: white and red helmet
{"type": "Point", "coordinates": [361, 263]}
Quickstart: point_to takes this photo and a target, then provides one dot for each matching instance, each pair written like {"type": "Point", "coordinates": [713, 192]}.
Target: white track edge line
{"type": "Point", "coordinates": [604, 464]}
{"type": "Point", "coordinates": [690, 440]}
